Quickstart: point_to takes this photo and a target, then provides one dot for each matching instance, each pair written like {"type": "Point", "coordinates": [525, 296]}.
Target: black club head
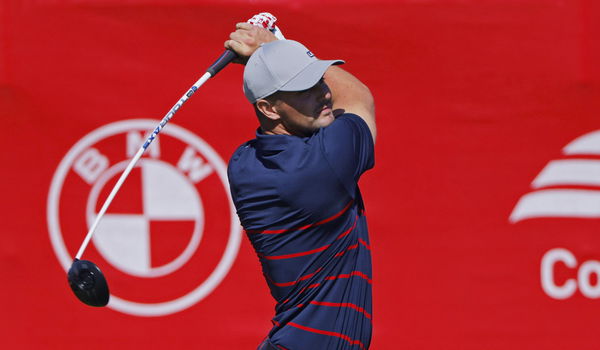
{"type": "Point", "coordinates": [88, 283]}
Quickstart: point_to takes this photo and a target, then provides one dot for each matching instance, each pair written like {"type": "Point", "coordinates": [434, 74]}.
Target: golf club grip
{"type": "Point", "coordinates": [221, 62]}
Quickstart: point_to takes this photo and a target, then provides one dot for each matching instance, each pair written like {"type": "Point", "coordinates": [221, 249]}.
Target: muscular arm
{"type": "Point", "coordinates": [350, 95]}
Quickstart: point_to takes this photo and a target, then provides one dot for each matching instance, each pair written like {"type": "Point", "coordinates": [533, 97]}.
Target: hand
{"type": "Point", "coordinates": [246, 39]}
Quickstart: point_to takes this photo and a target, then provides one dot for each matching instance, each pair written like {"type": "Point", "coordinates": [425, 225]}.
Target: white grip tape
{"type": "Point", "coordinates": [263, 19]}
{"type": "Point", "coordinates": [267, 21]}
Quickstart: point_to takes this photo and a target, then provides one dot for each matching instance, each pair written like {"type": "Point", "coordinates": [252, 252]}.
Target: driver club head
{"type": "Point", "coordinates": [88, 283]}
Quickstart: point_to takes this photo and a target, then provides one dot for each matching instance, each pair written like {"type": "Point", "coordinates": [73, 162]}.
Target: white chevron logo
{"type": "Point", "coordinates": [554, 194]}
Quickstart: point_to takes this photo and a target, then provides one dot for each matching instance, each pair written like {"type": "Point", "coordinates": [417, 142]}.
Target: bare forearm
{"type": "Point", "coordinates": [350, 95]}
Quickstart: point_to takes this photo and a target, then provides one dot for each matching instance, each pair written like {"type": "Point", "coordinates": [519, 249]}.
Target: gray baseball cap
{"type": "Point", "coordinates": [282, 65]}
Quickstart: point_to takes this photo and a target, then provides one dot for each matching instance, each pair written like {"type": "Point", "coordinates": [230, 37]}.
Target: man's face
{"type": "Point", "coordinates": [304, 112]}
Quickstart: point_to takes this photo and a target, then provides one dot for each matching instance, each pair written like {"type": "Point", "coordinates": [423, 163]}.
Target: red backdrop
{"type": "Point", "coordinates": [483, 205]}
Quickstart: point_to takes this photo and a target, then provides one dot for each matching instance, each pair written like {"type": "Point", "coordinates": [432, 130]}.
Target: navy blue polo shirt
{"type": "Point", "coordinates": [299, 203]}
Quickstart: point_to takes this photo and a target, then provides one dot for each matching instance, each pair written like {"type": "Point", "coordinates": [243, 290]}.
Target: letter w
{"type": "Point", "coordinates": [193, 165]}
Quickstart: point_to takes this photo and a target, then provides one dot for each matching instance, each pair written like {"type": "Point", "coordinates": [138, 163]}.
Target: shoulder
{"type": "Point", "coordinates": [350, 123]}
{"type": "Point", "coordinates": [239, 150]}
{"type": "Point", "coordinates": [238, 157]}
{"type": "Point", "coordinates": [347, 130]}
{"type": "Point", "coordinates": [348, 147]}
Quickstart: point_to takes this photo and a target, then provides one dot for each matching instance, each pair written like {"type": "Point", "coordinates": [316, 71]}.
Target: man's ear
{"type": "Point", "coordinates": [268, 109]}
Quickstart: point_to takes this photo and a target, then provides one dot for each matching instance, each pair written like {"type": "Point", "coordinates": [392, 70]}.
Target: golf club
{"type": "Point", "coordinates": [85, 278]}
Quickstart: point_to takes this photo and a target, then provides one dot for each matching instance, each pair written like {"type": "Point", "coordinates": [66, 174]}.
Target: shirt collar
{"type": "Point", "coordinates": [274, 142]}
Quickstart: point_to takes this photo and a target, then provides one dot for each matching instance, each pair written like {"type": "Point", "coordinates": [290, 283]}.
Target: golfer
{"type": "Point", "coordinates": [296, 193]}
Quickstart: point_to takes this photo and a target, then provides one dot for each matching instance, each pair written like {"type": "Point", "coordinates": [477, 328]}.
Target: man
{"type": "Point", "coordinates": [296, 193]}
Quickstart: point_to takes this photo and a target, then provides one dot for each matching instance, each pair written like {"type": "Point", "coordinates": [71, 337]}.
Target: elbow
{"type": "Point", "coordinates": [369, 100]}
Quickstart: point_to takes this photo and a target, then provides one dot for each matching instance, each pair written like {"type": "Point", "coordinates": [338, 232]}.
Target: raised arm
{"type": "Point", "coordinates": [350, 95]}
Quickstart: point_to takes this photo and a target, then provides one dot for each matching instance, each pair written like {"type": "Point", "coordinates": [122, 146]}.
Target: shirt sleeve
{"type": "Point", "coordinates": [348, 147]}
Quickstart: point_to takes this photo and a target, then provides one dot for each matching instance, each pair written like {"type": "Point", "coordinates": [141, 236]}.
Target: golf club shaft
{"type": "Point", "coordinates": [223, 60]}
{"type": "Point", "coordinates": [140, 152]}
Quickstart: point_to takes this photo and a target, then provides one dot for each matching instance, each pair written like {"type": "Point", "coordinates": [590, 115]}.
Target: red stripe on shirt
{"type": "Point", "coordinates": [354, 246]}
{"type": "Point", "coordinates": [332, 334]}
{"type": "Point", "coordinates": [275, 232]}
{"type": "Point", "coordinates": [287, 284]}
{"type": "Point", "coordinates": [364, 243]}
{"type": "Point", "coordinates": [295, 255]}
{"type": "Point", "coordinates": [345, 233]}
{"type": "Point", "coordinates": [348, 275]}
{"type": "Point", "coordinates": [332, 278]}
{"type": "Point", "coordinates": [308, 252]}
{"type": "Point", "coordinates": [348, 305]}
{"type": "Point", "coordinates": [307, 287]}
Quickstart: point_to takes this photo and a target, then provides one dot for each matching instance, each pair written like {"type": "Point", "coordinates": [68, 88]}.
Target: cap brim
{"type": "Point", "coordinates": [309, 76]}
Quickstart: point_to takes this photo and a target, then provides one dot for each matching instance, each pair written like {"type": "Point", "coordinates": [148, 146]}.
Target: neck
{"type": "Point", "coordinates": [272, 127]}
{"type": "Point", "coordinates": [279, 130]}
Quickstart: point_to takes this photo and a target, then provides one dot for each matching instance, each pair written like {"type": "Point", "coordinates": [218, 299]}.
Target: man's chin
{"type": "Point", "coordinates": [326, 119]}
